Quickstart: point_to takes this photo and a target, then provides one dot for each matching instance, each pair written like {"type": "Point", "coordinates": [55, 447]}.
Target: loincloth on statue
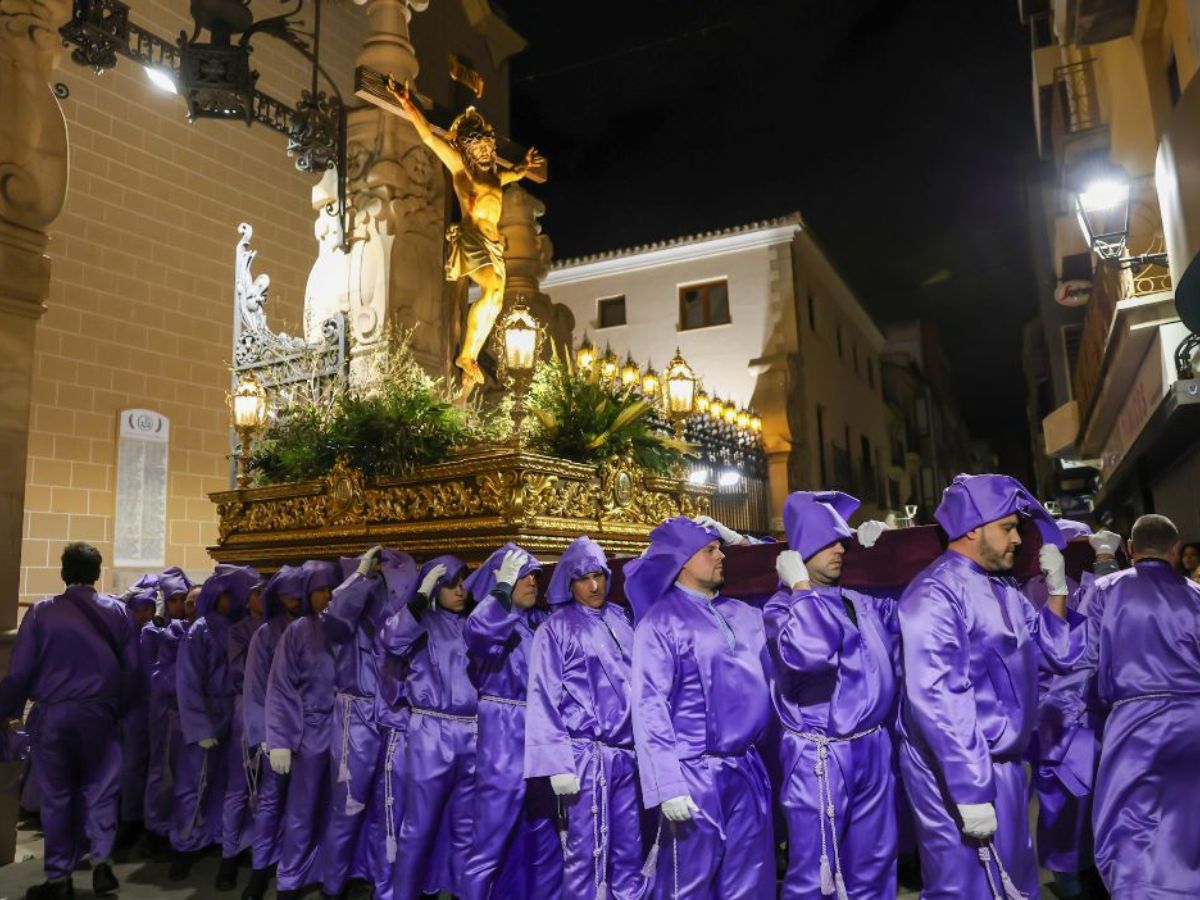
{"type": "Point", "coordinates": [470, 250]}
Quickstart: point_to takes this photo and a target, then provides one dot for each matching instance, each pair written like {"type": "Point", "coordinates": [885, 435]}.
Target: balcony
{"type": "Point", "coordinates": [1084, 22]}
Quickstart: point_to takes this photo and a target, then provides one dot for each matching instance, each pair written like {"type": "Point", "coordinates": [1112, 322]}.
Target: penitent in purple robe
{"type": "Point", "coordinates": [515, 851]}
{"type": "Point", "coordinates": [1144, 644]}
{"type": "Point", "coordinates": [135, 724]}
{"type": "Point", "coordinates": [834, 692]}
{"type": "Point", "coordinates": [439, 752]}
{"type": "Point", "coordinates": [578, 722]}
{"type": "Point", "coordinates": [206, 690]}
{"type": "Point", "coordinates": [299, 716]}
{"type": "Point", "coordinates": [701, 702]}
{"type": "Point", "coordinates": [269, 792]}
{"type": "Point", "coordinates": [359, 607]}
{"type": "Point", "coordinates": [80, 678]}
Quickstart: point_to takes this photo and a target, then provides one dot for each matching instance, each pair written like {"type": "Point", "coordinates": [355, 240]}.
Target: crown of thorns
{"type": "Point", "coordinates": [470, 127]}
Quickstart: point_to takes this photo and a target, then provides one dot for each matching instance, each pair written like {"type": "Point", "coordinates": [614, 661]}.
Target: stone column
{"type": "Point", "coordinates": [527, 256]}
{"type": "Point", "coordinates": [33, 187]}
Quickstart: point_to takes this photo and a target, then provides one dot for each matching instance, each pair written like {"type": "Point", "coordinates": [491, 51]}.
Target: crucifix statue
{"type": "Point", "coordinates": [468, 149]}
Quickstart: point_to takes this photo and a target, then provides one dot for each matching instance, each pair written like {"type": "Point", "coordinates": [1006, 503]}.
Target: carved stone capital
{"type": "Point", "coordinates": [388, 48]}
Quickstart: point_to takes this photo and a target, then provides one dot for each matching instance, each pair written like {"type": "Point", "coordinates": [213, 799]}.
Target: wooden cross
{"type": "Point", "coordinates": [371, 86]}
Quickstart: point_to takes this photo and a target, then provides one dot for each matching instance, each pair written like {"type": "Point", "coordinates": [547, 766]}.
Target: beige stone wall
{"type": "Point", "coordinates": [140, 308]}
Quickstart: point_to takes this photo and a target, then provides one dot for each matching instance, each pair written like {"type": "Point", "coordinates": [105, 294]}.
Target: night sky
{"type": "Point", "coordinates": [901, 130]}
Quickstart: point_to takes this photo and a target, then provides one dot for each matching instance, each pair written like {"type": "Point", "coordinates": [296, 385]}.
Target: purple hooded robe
{"type": "Point", "coordinates": [135, 724]}
{"type": "Point", "coordinates": [515, 851]}
{"type": "Point", "coordinates": [160, 649]}
{"type": "Point", "coordinates": [1144, 647]}
{"type": "Point", "coordinates": [971, 645]}
{"type": "Point", "coordinates": [300, 701]}
{"type": "Point", "coordinates": [206, 691]}
{"type": "Point", "coordinates": [352, 622]}
{"type": "Point", "coordinates": [578, 722]}
{"type": "Point", "coordinates": [701, 702]}
{"type": "Point", "coordinates": [267, 789]}
{"type": "Point", "coordinates": [80, 678]}
{"type": "Point", "coordinates": [439, 753]}
{"type": "Point", "coordinates": [834, 690]}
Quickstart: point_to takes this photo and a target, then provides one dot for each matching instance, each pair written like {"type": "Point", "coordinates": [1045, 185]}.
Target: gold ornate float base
{"type": "Point", "coordinates": [467, 506]}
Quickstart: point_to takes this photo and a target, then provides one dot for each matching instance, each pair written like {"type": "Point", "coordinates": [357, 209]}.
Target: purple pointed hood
{"type": "Point", "coordinates": [1074, 531]}
{"type": "Point", "coordinates": [672, 544]}
{"type": "Point", "coordinates": [480, 582]}
{"type": "Point", "coordinates": [236, 581]}
{"type": "Point", "coordinates": [813, 520]}
{"type": "Point", "coordinates": [582, 557]}
{"type": "Point", "coordinates": [318, 574]}
{"type": "Point", "coordinates": [974, 500]}
{"type": "Point", "coordinates": [289, 581]}
{"type": "Point", "coordinates": [453, 565]}
{"type": "Point", "coordinates": [173, 581]}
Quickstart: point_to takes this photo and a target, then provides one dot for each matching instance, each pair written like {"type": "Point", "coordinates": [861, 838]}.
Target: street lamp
{"type": "Point", "coordinates": [585, 356]}
{"type": "Point", "coordinates": [681, 391]}
{"type": "Point", "coordinates": [1101, 199]}
{"type": "Point", "coordinates": [248, 412]}
{"type": "Point", "coordinates": [522, 340]}
{"type": "Point", "coordinates": [630, 373]}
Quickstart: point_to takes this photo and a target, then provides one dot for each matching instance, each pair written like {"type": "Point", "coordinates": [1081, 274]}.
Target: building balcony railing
{"type": "Point", "coordinates": [1077, 101]}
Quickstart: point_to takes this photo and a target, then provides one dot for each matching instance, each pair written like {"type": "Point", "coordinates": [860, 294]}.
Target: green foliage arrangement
{"type": "Point", "coordinates": [406, 420]}
{"type": "Point", "coordinates": [579, 416]}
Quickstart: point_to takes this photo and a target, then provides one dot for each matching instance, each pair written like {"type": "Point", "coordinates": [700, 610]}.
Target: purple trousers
{"type": "Point", "coordinates": [165, 743]}
{"type": "Point", "coordinates": [78, 752]}
{"type": "Point", "coordinates": [515, 851]}
{"type": "Point", "coordinates": [386, 810]}
{"type": "Point", "coordinates": [1147, 794]}
{"type": "Point", "coordinates": [603, 845]}
{"type": "Point", "coordinates": [354, 755]}
{"type": "Point", "coordinates": [242, 765]}
{"type": "Point", "coordinates": [304, 820]}
{"type": "Point", "coordinates": [200, 783]}
{"type": "Point", "coordinates": [950, 864]}
{"type": "Point", "coordinates": [727, 849]}
{"type": "Point", "coordinates": [267, 835]}
{"type": "Point", "coordinates": [856, 778]}
{"type": "Point", "coordinates": [439, 796]}
{"type": "Point", "coordinates": [135, 754]}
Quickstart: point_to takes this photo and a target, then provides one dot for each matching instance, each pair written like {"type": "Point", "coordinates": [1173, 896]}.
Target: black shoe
{"type": "Point", "coordinates": [51, 890]}
{"type": "Point", "coordinates": [227, 874]}
{"type": "Point", "coordinates": [292, 894]}
{"type": "Point", "coordinates": [260, 880]}
{"type": "Point", "coordinates": [103, 879]}
{"type": "Point", "coordinates": [181, 866]}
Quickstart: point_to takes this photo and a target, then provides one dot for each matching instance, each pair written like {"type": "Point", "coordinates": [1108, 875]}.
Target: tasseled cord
{"type": "Point", "coordinates": [840, 884]}
{"type": "Point", "coordinates": [344, 766]}
{"type": "Point", "coordinates": [827, 887]}
{"type": "Point", "coordinates": [987, 853]}
{"type": "Point", "coordinates": [650, 867]}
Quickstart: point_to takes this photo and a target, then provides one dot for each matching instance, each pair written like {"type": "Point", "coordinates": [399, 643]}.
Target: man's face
{"type": "Point", "coordinates": [453, 597]}
{"type": "Point", "coordinates": [1190, 558]}
{"type": "Point", "coordinates": [189, 604]}
{"type": "Point", "coordinates": [590, 589]}
{"type": "Point", "coordinates": [176, 605]}
{"type": "Point", "coordinates": [998, 543]}
{"type": "Point", "coordinates": [482, 152]}
{"type": "Point", "coordinates": [524, 594]}
{"type": "Point", "coordinates": [224, 604]}
{"type": "Point", "coordinates": [291, 605]}
{"type": "Point", "coordinates": [319, 599]}
{"type": "Point", "coordinates": [142, 615]}
{"type": "Point", "coordinates": [254, 601]}
{"type": "Point", "coordinates": [707, 566]}
{"type": "Point", "coordinates": [825, 566]}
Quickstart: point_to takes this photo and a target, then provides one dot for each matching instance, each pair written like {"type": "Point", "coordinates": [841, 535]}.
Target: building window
{"type": "Point", "coordinates": [611, 312]}
{"type": "Point", "coordinates": [871, 373]}
{"type": "Point", "coordinates": [703, 305]}
{"type": "Point", "coordinates": [812, 312]}
{"type": "Point", "coordinates": [839, 341]}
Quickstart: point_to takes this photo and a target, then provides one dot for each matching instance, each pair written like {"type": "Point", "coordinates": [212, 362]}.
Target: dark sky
{"type": "Point", "coordinates": [901, 130]}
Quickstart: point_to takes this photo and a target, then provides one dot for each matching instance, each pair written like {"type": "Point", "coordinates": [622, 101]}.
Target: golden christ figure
{"type": "Point", "coordinates": [476, 245]}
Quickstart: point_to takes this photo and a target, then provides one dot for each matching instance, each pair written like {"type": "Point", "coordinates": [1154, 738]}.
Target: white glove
{"type": "Point", "coordinates": [431, 578]}
{"type": "Point", "coordinates": [263, 745]}
{"type": "Point", "coordinates": [1054, 567]}
{"type": "Point", "coordinates": [679, 809]}
{"type": "Point", "coordinates": [207, 743]}
{"type": "Point", "coordinates": [1105, 543]}
{"type": "Point", "coordinates": [160, 606]}
{"type": "Point", "coordinates": [978, 819]}
{"type": "Point", "coordinates": [728, 535]}
{"type": "Point", "coordinates": [510, 567]}
{"type": "Point", "coordinates": [281, 760]}
{"type": "Point", "coordinates": [368, 560]}
{"type": "Point", "coordinates": [790, 566]}
{"type": "Point", "coordinates": [868, 532]}
{"type": "Point", "coordinates": [564, 785]}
